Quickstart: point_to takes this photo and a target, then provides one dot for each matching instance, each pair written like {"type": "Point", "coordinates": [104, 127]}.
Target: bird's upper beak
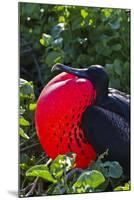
{"type": "Point", "coordinates": [77, 72]}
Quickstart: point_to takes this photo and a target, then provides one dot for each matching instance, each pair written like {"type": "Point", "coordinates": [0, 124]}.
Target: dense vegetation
{"type": "Point", "coordinates": [79, 37]}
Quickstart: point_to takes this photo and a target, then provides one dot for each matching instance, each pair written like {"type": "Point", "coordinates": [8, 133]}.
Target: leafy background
{"type": "Point", "coordinates": [79, 37]}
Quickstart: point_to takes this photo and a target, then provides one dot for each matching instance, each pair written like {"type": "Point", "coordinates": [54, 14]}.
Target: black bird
{"type": "Point", "coordinates": [106, 124]}
{"type": "Point", "coordinates": [99, 122]}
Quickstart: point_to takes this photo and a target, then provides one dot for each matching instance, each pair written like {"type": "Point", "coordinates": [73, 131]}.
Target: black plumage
{"type": "Point", "coordinates": [106, 124]}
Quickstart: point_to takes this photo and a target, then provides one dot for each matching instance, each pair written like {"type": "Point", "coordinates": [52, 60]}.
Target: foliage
{"type": "Point", "coordinates": [59, 176]}
{"type": "Point", "coordinates": [79, 37]}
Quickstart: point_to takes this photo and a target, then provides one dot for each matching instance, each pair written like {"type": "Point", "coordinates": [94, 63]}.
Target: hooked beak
{"type": "Point", "coordinates": [77, 72]}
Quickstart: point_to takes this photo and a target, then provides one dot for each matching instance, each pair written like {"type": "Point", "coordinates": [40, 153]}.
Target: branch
{"type": "Point", "coordinates": [29, 147]}
{"type": "Point", "coordinates": [32, 188]}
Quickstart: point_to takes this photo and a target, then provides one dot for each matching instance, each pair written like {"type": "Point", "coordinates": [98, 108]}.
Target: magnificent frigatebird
{"type": "Point", "coordinates": [78, 112]}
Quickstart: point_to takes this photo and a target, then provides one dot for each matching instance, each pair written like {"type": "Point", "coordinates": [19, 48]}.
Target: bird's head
{"type": "Point", "coordinates": [96, 74]}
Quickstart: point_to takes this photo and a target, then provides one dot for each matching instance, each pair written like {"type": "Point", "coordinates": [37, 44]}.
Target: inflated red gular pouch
{"type": "Point", "coordinates": [58, 117]}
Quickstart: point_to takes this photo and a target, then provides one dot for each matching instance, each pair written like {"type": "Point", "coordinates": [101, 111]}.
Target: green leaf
{"type": "Point", "coordinates": [56, 30]}
{"type": "Point", "coordinates": [41, 171]}
{"type": "Point", "coordinates": [107, 12]}
{"type": "Point", "coordinates": [22, 82]}
{"type": "Point", "coordinates": [91, 179]}
{"type": "Point", "coordinates": [116, 47]}
{"type": "Point", "coordinates": [46, 39]}
{"type": "Point", "coordinates": [114, 170]}
{"type": "Point", "coordinates": [58, 42]}
{"type": "Point", "coordinates": [84, 13]}
{"type": "Point", "coordinates": [24, 166]}
{"type": "Point", "coordinates": [61, 19]}
{"type": "Point", "coordinates": [23, 121]}
{"type": "Point", "coordinates": [24, 158]}
{"type": "Point", "coordinates": [42, 42]}
{"type": "Point", "coordinates": [54, 57]}
{"type": "Point", "coordinates": [126, 187]}
{"type": "Point", "coordinates": [76, 23]}
{"type": "Point", "coordinates": [32, 106]}
{"type": "Point", "coordinates": [23, 134]}
{"type": "Point", "coordinates": [115, 83]}
{"type": "Point", "coordinates": [117, 67]}
{"type": "Point", "coordinates": [83, 60]}
{"type": "Point", "coordinates": [26, 89]}
{"type": "Point", "coordinates": [61, 163]}
{"type": "Point", "coordinates": [115, 25]}
{"type": "Point", "coordinates": [102, 50]}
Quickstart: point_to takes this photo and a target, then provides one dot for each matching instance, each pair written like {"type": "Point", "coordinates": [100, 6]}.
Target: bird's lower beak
{"type": "Point", "coordinates": [77, 72]}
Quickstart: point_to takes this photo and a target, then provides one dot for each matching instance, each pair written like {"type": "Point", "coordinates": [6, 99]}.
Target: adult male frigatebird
{"type": "Point", "coordinates": [77, 112]}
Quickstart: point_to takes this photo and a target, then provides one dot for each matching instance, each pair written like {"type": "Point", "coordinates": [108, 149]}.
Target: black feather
{"type": "Point", "coordinates": [106, 129]}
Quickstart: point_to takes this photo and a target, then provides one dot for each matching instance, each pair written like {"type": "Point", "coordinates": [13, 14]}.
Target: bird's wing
{"type": "Point", "coordinates": [117, 102]}
{"type": "Point", "coordinates": [107, 130]}
{"type": "Point", "coordinates": [120, 95]}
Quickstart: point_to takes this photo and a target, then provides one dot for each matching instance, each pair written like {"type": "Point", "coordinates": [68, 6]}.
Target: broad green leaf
{"type": "Point", "coordinates": [26, 89]}
{"type": "Point", "coordinates": [57, 29]}
{"type": "Point", "coordinates": [54, 57]}
{"type": "Point", "coordinates": [22, 110]}
{"type": "Point", "coordinates": [58, 42]}
{"type": "Point", "coordinates": [84, 13]}
{"type": "Point", "coordinates": [23, 121]}
{"type": "Point", "coordinates": [109, 68]}
{"type": "Point", "coordinates": [22, 82]}
{"type": "Point", "coordinates": [126, 187]}
{"type": "Point", "coordinates": [24, 166]}
{"type": "Point", "coordinates": [114, 170]}
{"type": "Point", "coordinates": [117, 67]}
{"type": "Point", "coordinates": [61, 163]}
{"type": "Point", "coordinates": [46, 39]}
{"type": "Point", "coordinates": [115, 25]}
{"type": "Point", "coordinates": [24, 158]}
{"type": "Point", "coordinates": [23, 134]}
{"type": "Point", "coordinates": [107, 12]}
{"type": "Point", "coordinates": [91, 179]}
{"type": "Point", "coordinates": [41, 171]}
{"type": "Point", "coordinates": [116, 47]}
{"type": "Point", "coordinates": [42, 42]}
{"type": "Point", "coordinates": [32, 106]}
{"type": "Point", "coordinates": [102, 50]}
{"type": "Point", "coordinates": [61, 19]}
{"type": "Point", "coordinates": [115, 83]}
{"type": "Point", "coordinates": [76, 24]}
{"type": "Point", "coordinates": [83, 59]}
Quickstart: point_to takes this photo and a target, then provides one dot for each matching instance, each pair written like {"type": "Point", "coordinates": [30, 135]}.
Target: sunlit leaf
{"type": "Point", "coordinates": [24, 166]}
{"type": "Point", "coordinates": [32, 106]}
{"type": "Point", "coordinates": [126, 187]}
{"type": "Point", "coordinates": [41, 171]}
{"type": "Point", "coordinates": [57, 29]}
{"type": "Point", "coordinates": [84, 13]}
{"type": "Point", "coordinates": [23, 121]}
{"type": "Point", "coordinates": [91, 179]}
{"type": "Point", "coordinates": [61, 163]}
{"type": "Point", "coordinates": [23, 134]}
{"type": "Point", "coordinates": [46, 39]}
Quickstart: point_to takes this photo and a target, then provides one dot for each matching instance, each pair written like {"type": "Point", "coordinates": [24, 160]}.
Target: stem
{"type": "Point", "coordinates": [48, 162]}
{"type": "Point", "coordinates": [22, 144]}
{"type": "Point", "coordinates": [29, 147]}
{"type": "Point", "coordinates": [32, 188]}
